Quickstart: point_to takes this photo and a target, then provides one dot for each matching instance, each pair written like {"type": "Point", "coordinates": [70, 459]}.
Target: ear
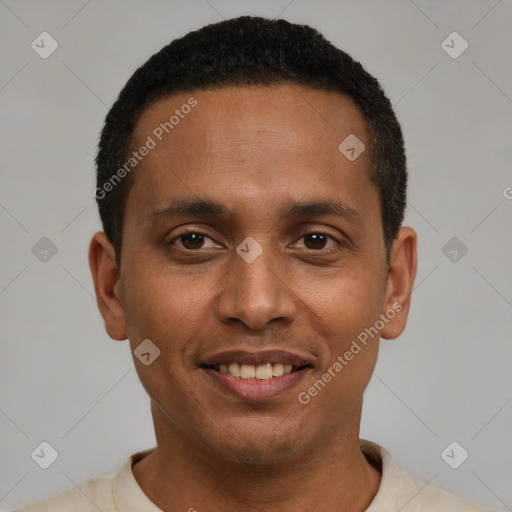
{"type": "Point", "coordinates": [401, 275]}
{"type": "Point", "coordinates": [107, 285]}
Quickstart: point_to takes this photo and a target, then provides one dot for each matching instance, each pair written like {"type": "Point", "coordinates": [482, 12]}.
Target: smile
{"type": "Point", "coordinates": [262, 372]}
{"type": "Point", "coordinates": [256, 376]}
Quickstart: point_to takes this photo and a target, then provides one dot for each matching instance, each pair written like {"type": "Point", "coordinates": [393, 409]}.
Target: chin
{"type": "Point", "coordinates": [257, 444]}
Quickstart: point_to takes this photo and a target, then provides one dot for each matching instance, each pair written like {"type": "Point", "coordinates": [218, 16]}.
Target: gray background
{"type": "Point", "coordinates": [446, 379]}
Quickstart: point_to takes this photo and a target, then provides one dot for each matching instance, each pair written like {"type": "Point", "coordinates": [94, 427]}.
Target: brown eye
{"type": "Point", "coordinates": [192, 240]}
{"type": "Point", "coordinates": [315, 240]}
{"type": "Point", "coordinates": [318, 241]}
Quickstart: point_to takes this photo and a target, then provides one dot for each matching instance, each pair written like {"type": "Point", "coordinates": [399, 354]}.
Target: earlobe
{"type": "Point", "coordinates": [106, 279]}
{"type": "Point", "coordinates": [402, 272]}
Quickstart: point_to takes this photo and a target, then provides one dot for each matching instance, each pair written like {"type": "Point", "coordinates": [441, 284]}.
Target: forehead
{"type": "Point", "coordinates": [248, 142]}
{"type": "Point", "coordinates": [234, 114]}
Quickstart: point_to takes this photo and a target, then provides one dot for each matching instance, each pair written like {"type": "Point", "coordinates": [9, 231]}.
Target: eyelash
{"type": "Point", "coordinates": [316, 232]}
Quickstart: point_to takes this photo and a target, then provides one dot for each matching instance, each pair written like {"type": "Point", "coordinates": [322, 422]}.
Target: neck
{"type": "Point", "coordinates": [332, 476]}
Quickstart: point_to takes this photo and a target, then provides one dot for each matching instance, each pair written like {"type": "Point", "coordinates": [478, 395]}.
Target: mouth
{"type": "Point", "coordinates": [261, 372]}
{"type": "Point", "coordinates": [256, 376]}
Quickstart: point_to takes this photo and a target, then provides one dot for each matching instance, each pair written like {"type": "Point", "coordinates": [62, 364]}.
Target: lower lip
{"type": "Point", "coordinates": [256, 389]}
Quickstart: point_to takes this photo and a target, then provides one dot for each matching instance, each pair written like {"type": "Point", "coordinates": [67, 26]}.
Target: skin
{"type": "Point", "coordinates": [255, 150]}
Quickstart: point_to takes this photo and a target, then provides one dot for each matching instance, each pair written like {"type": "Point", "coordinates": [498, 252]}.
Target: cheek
{"type": "Point", "coordinates": [343, 314]}
{"type": "Point", "coordinates": [340, 388]}
{"type": "Point", "coordinates": [159, 302]}
{"type": "Point", "coordinates": [347, 304]}
{"type": "Point", "coordinates": [160, 309]}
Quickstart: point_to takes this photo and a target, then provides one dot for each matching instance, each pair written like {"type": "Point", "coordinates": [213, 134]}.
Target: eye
{"type": "Point", "coordinates": [316, 240]}
{"type": "Point", "coordinates": [194, 240]}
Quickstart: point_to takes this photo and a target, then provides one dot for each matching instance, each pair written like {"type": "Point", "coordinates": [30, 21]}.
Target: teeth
{"type": "Point", "coordinates": [234, 369]}
{"type": "Point", "coordinates": [262, 372]}
{"type": "Point", "coordinates": [247, 372]}
{"type": "Point", "coordinates": [277, 369]}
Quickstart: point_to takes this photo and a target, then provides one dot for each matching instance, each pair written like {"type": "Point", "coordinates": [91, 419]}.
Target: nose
{"type": "Point", "coordinates": [256, 293]}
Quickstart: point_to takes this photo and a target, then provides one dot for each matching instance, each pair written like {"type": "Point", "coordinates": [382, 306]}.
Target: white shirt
{"type": "Point", "coordinates": [120, 492]}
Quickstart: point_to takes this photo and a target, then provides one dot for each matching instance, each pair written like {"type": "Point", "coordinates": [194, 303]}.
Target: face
{"type": "Point", "coordinates": [252, 245]}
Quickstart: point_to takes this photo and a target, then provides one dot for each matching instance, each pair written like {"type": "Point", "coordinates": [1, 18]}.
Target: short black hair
{"type": "Point", "coordinates": [251, 51]}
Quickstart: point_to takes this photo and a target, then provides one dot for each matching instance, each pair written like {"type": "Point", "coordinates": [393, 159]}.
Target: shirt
{"type": "Point", "coordinates": [120, 492]}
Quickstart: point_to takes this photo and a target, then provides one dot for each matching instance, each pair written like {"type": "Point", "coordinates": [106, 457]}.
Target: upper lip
{"type": "Point", "coordinates": [257, 358]}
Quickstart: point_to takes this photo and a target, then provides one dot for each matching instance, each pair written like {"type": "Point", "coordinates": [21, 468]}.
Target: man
{"type": "Point", "coordinates": [251, 185]}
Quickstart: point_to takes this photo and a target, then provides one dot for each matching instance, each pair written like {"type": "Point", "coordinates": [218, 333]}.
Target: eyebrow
{"type": "Point", "coordinates": [208, 208]}
{"type": "Point", "coordinates": [189, 208]}
{"type": "Point", "coordinates": [319, 207]}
